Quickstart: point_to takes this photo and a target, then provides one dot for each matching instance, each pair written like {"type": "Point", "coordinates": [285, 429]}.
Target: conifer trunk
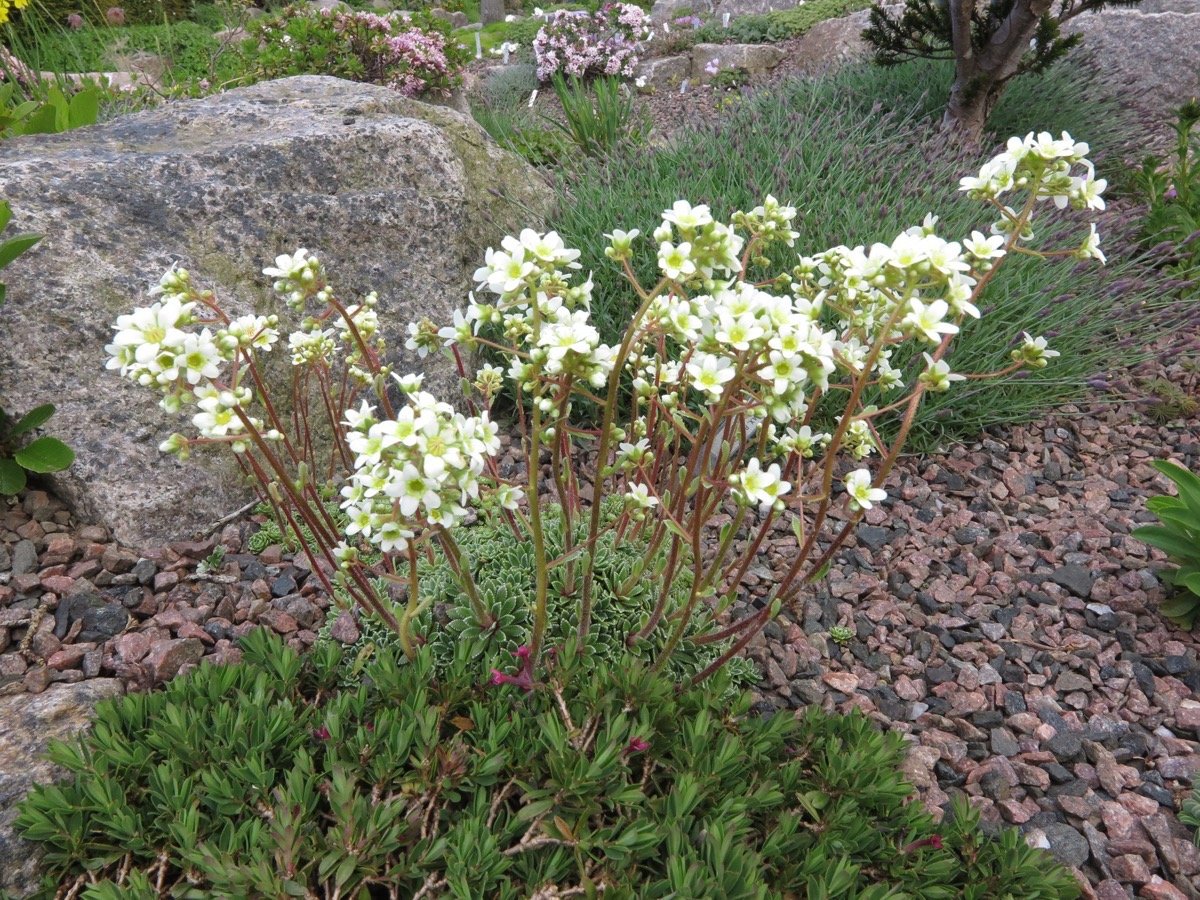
{"type": "Point", "coordinates": [981, 74]}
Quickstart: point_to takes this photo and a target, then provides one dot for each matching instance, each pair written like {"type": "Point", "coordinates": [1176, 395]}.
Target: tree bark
{"type": "Point", "coordinates": [980, 77]}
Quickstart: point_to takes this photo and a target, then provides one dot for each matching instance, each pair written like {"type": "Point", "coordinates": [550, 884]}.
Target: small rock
{"type": "Point", "coordinates": [1072, 681]}
{"type": "Point", "coordinates": [1157, 889]}
{"type": "Point", "coordinates": [167, 657]}
{"type": "Point", "coordinates": [279, 621]}
{"type": "Point", "coordinates": [24, 558]}
{"type": "Point", "coordinates": [841, 681]}
{"type": "Point", "coordinates": [1130, 869]}
{"type": "Point", "coordinates": [1075, 579]}
{"type": "Point", "coordinates": [1068, 845]}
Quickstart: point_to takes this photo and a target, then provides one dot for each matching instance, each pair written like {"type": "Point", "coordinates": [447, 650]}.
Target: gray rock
{"type": "Point", "coordinates": [832, 43]}
{"type": "Point", "coordinates": [1004, 742]}
{"type": "Point", "coordinates": [754, 58]}
{"type": "Point", "coordinates": [1075, 579]}
{"type": "Point", "coordinates": [1152, 57]}
{"type": "Point", "coordinates": [665, 72]}
{"type": "Point", "coordinates": [1068, 845]}
{"type": "Point", "coordinates": [392, 194]}
{"type": "Point", "coordinates": [1066, 745]}
{"type": "Point", "coordinates": [28, 722]}
{"type": "Point", "coordinates": [491, 11]}
{"type": "Point", "coordinates": [24, 558]}
{"type": "Point", "coordinates": [1072, 681]}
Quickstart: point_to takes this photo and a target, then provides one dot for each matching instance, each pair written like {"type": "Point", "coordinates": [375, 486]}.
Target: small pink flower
{"type": "Point", "coordinates": [934, 841]}
{"type": "Point", "coordinates": [321, 734]}
{"type": "Point", "coordinates": [637, 745]}
{"type": "Point", "coordinates": [1171, 193]}
{"type": "Point", "coordinates": [75, 21]}
{"type": "Point", "coordinates": [524, 678]}
{"type": "Point", "coordinates": [115, 15]}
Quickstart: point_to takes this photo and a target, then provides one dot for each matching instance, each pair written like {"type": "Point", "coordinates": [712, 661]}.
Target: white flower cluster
{"type": "Point", "coordinates": [184, 347]}
{"type": "Point", "coordinates": [298, 277]}
{"type": "Point", "coordinates": [154, 347]}
{"type": "Point", "coordinates": [540, 309]}
{"type": "Point", "coordinates": [1048, 163]}
{"type": "Point", "coordinates": [419, 469]}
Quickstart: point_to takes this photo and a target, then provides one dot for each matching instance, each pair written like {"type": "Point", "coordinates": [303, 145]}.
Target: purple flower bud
{"type": "Point", "coordinates": [74, 21]}
{"type": "Point", "coordinates": [115, 15]}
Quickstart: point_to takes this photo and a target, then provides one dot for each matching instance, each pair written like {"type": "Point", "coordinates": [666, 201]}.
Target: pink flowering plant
{"type": "Point", "coordinates": [410, 53]}
{"type": "Point", "coordinates": [607, 42]}
{"type": "Point", "coordinates": [728, 407]}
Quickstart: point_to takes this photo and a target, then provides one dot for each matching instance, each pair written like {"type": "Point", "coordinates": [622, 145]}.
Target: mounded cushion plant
{"type": "Point", "coordinates": [264, 779]}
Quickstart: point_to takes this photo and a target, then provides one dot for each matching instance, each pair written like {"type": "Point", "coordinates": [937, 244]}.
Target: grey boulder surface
{"type": "Point", "coordinates": [392, 194]}
{"type": "Point", "coordinates": [28, 722]}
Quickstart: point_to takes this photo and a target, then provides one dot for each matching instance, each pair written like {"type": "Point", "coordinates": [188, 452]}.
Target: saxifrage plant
{"type": "Point", "coordinates": [263, 779]}
{"type": "Point", "coordinates": [1178, 536]}
{"type": "Point", "coordinates": [722, 378]}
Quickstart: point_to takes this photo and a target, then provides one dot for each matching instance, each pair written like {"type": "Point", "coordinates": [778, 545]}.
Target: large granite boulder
{"type": "Point", "coordinates": [392, 194]}
{"type": "Point", "coordinates": [1150, 52]}
{"type": "Point", "coordinates": [28, 722]}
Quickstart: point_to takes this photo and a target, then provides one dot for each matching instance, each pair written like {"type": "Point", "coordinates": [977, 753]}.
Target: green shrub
{"type": "Point", "coordinates": [190, 49]}
{"type": "Point", "coordinates": [1172, 188]}
{"type": "Point", "coordinates": [524, 133]}
{"type": "Point", "coordinates": [505, 575]}
{"type": "Point", "coordinates": [302, 41]}
{"type": "Point", "coordinates": [858, 153]}
{"type": "Point", "coordinates": [1178, 536]}
{"type": "Point", "coordinates": [599, 116]}
{"type": "Point", "coordinates": [780, 25]}
{"type": "Point", "coordinates": [263, 779]}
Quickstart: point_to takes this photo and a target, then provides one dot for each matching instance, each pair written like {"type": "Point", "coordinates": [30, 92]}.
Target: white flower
{"type": "Point", "coordinates": [509, 497]}
{"type": "Point", "coordinates": [1090, 248]}
{"type": "Point", "coordinates": [862, 495]}
{"type": "Point", "coordinates": [683, 215]}
{"type": "Point", "coordinates": [413, 491]}
{"type": "Point", "coordinates": [710, 373]}
{"type": "Point", "coordinates": [937, 375]}
{"type": "Point", "coordinates": [675, 261]}
{"type": "Point", "coordinates": [1033, 352]}
{"type": "Point", "coordinates": [756, 485]}
{"type": "Point", "coordinates": [639, 496]}
{"type": "Point", "coordinates": [928, 320]}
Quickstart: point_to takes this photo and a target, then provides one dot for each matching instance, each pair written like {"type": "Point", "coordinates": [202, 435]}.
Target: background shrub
{"type": "Point", "coordinates": [779, 25]}
{"type": "Point", "coordinates": [858, 154]}
{"type": "Point", "coordinates": [263, 779]}
{"type": "Point", "coordinates": [300, 41]}
{"type": "Point", "coordinates": [189, 48]}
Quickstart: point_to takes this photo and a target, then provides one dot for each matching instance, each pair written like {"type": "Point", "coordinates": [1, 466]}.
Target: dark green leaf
{"type": "Point", "coordinates": [33, 419]}
{"type": "Point", "coordinates": [12, 477]}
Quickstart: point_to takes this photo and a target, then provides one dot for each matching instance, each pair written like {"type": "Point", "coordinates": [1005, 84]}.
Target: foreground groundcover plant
{"type": "Point", "coordinates": [264, 780]}
{"type": "Point", "coordinates": [780, 400]}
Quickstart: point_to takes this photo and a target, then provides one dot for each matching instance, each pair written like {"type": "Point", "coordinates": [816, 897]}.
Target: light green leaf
{"type": "Point", "coordinates": [1165, 539]}
{"type": "Point", "coordinates": [15, 246]}
{"type": "Point", "coordinates": [46, 454]}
